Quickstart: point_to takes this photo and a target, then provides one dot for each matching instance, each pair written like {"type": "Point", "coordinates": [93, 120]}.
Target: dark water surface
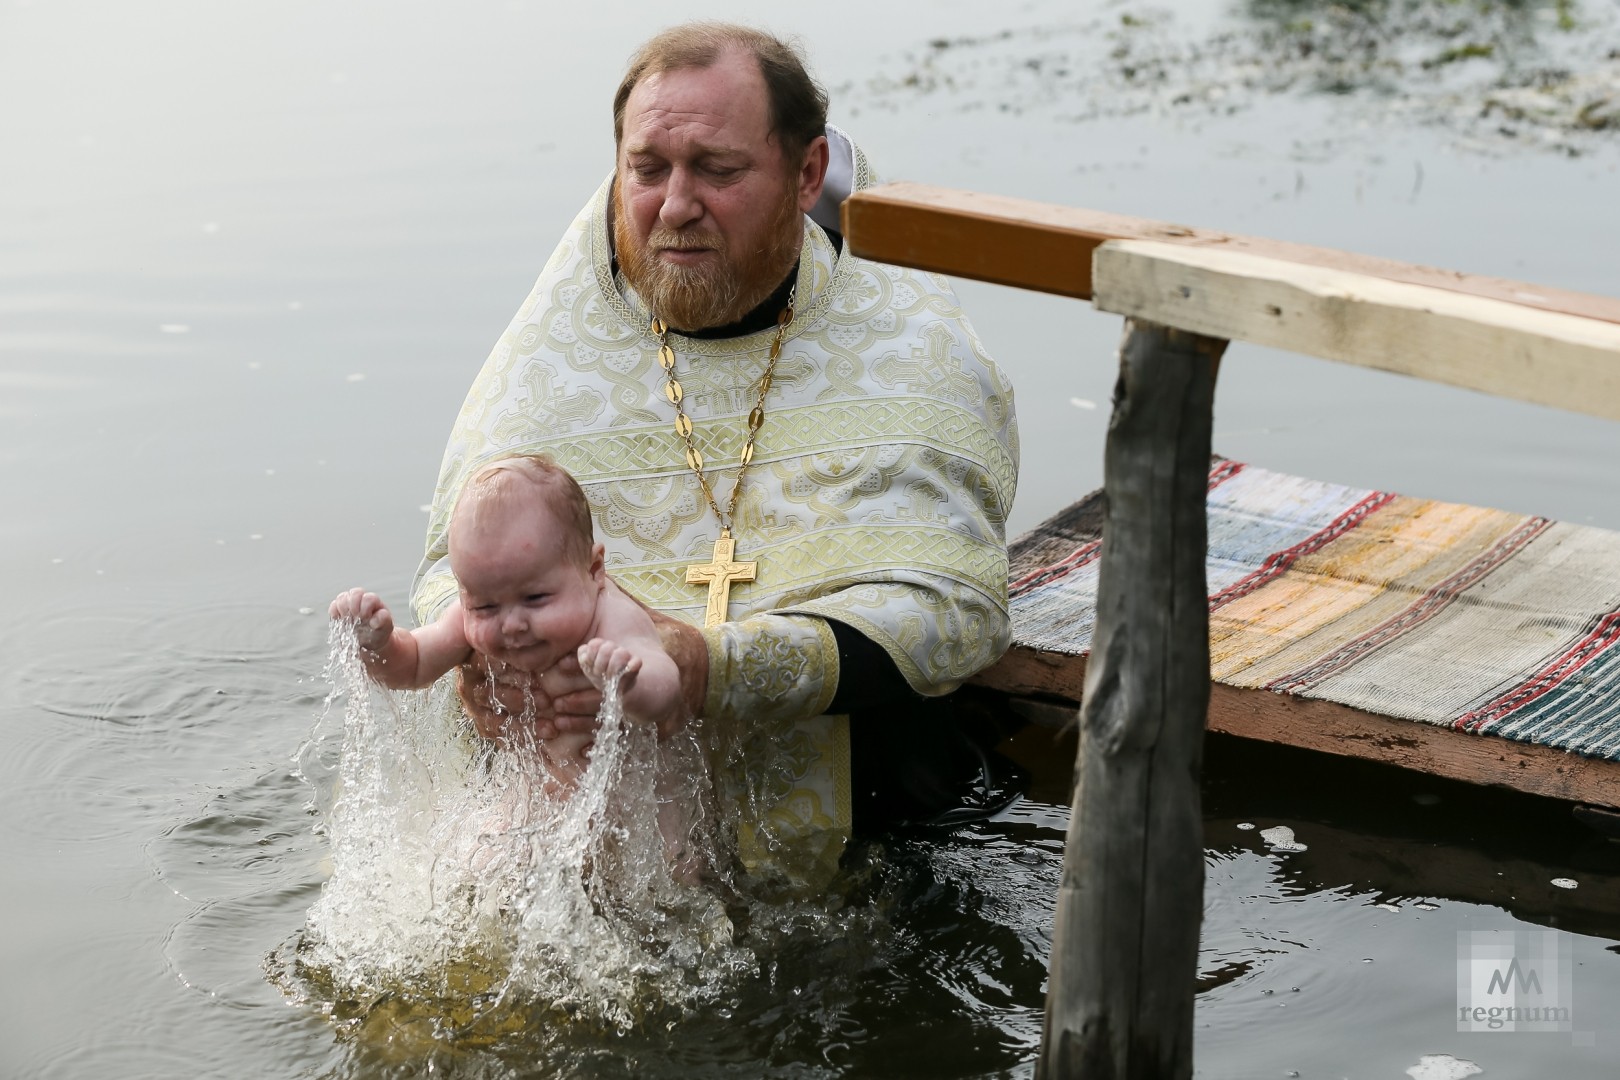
{"type": "Point", "coordinates": [252, 255]}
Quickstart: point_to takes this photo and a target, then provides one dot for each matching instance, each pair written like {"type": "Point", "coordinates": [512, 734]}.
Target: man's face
{"type": "Point", "coordinates": [708, 216]}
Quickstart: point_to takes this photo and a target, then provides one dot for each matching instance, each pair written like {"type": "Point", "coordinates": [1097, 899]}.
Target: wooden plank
{"type": "Point", "coordinates": [1477, 759]}
{"type": "Point", "coordinates": [1332, 728]}
{"type": "Point", "coordinates": [1042, 246]}
{"type": "Point", "coordinates": [1125, 934]}
{"type": "Point", "coordinates": [1469, 341]}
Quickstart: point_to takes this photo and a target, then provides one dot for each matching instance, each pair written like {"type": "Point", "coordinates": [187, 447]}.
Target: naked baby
{"type": "Point", "coordinates": [532, 590]}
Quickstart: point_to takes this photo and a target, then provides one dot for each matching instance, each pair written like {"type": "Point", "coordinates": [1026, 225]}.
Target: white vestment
{"type": "Point", "coordinates": [877, 497]}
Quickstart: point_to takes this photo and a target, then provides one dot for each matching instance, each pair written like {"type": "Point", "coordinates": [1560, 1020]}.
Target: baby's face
{"type": "Point", "coordinates": [525, 603]}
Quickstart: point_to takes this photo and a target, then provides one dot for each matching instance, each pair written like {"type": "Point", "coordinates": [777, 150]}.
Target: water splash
{"type": "Point", "coordinates": [467, 900]}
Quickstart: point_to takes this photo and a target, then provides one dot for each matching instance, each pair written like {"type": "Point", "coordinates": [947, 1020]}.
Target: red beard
{"type": "Point", "coordinates": [726, 286]}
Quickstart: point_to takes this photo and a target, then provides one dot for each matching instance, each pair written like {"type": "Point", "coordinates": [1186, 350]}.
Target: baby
{"type": "Point", "coordinates": [532, 590]}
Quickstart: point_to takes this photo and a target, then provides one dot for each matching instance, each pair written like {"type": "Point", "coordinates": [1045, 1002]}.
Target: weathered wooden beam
{"type": "Point", "coordinates": [1331, 728]}
{"type": "Point", "coordinates": [1125, 944]}
{"type": "Point", "coordinates": [1042, 246]}
{"type": "Point", "coordinates": [1475, 342]}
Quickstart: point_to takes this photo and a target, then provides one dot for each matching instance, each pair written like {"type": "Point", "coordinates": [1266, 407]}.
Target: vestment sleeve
{"type": "Point", "coordinates": [770, 668]}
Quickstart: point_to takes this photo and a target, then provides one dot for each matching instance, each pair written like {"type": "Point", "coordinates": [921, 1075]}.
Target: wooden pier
{"type": "Point", "coordinates": [1129, 908]}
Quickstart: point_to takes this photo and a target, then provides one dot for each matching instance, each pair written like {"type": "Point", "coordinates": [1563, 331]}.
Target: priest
{"type": "Point", "coordinates": [802, 460]}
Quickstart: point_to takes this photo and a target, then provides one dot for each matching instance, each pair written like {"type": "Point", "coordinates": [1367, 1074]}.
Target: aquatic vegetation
{"type": "Point", "coordinates": [1496, 73]}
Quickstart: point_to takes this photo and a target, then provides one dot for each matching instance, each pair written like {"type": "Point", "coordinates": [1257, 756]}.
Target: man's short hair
{"type": "Point", "coordinates": [555, 486]}
{"type": "Point", "coordinates": [798, 104]}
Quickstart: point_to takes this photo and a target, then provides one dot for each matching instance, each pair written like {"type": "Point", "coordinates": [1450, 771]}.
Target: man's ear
{"type": "Point", "coordinates": [813, 173]}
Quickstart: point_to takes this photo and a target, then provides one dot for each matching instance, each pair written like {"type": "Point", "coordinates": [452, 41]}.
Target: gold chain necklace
{"type": "Point", "coordinates": [723, 569]}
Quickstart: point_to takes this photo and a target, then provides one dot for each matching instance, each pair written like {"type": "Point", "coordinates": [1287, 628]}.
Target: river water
{"type": "Point", "coordinates": [250, 258]}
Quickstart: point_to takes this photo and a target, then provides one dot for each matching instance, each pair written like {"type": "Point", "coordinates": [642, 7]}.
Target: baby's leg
{"type": "Point", "coordinates": [564, 759]}
{"type": "Point", "coordinates": [676, 817]}
{"type": "Point", "coordinates": [495, 829]}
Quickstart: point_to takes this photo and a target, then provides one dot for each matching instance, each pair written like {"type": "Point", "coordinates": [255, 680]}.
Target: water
{"type": "Point", "coordinates": [472, 897]}
{"type": "Point", "coordinates": [250, 258]}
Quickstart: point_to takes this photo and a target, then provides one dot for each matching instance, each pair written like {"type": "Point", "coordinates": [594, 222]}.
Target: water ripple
{"type": "Point", "coordinates": [253, 836]}
{"type": "Point", "coordinates": [240, 632]}
{"type": "Point", "coordinates": [219, 949]}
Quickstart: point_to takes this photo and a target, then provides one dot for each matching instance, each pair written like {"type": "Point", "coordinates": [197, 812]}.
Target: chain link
{"type": "Point", "coordinates": [756, 416]}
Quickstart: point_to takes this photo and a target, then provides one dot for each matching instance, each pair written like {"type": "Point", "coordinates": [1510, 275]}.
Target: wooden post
{"type": "Point", "coordinates": [1125, 948]}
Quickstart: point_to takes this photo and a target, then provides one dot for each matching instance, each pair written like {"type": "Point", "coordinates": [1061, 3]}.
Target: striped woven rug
{"type": "Point", "coordinates": [1479, 620]}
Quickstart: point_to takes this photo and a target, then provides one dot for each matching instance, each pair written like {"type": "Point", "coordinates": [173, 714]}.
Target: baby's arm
{"type": "Point", "coordinates": [628, 646]}
{"type": "Point", "coordinates": [397, 658]}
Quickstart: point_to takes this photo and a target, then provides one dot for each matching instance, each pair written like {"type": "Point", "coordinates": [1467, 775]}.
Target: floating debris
{"type": "Point", "coordinates": [1280, 838]}
{"type": "Point", "coordinates": [1565, 882]}
{"type": "Point", "coordinates": [1426, 906]}
{"type": "Point", "coordinates": [1245, 825]}
{"type": "Point", "coordinates": [1082, 403]}
{"type": "Point", "coordinates": [1442, 1067]}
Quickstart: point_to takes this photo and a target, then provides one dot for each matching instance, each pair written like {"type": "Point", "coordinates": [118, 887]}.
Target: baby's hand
{"type": "Point", "coordinates": [601, 659]}
{"type": "Point", "coordinates": [374, 624]}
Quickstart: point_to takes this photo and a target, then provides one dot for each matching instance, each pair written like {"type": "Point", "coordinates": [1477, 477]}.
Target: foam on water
{"type": "Point", "coordinates": [464, 890]}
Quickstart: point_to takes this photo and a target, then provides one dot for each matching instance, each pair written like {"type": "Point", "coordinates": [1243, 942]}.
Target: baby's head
{"type": "Point", "coordinates": [522, 551]}
{"type": "Point", "coordinates": [530, 489]}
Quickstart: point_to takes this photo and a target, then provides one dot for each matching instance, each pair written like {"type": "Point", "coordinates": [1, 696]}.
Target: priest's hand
{"type": "Point", "coordinates": [558, 701]}
{"type": "Point", "coordinates": [686, 646]}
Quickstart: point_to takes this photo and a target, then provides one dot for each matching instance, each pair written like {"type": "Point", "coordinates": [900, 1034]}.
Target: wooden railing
{"type": "Point", "coordinates": [1548, 346]}
{"type": "Point", "coordinates": [1125, 944]}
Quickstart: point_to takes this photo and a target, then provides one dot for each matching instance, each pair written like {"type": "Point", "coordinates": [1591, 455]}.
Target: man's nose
{"type": "Point", "coordinates": [681, 205]}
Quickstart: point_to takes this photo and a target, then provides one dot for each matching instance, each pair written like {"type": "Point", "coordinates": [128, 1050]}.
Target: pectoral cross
{"type": "Point", "coordinates": [718, 574]}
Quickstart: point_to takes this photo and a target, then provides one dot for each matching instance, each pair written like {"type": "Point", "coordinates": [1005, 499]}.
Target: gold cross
{"type": "Point", "coordinates": [718, 574]}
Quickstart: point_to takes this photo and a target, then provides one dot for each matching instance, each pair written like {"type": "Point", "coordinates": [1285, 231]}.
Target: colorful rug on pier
{"type": "Point", "coordinates": [1479, 620]}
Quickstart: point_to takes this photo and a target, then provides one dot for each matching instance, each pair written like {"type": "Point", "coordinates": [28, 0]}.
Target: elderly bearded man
{"type": "Point", "coordinates": [823, 437]}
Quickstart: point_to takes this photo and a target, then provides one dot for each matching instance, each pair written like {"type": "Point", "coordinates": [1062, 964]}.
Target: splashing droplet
{"type": "Point", "coordinates": [1280, 838]}
{"type": "Point", "coordinates": [1442, 1067]}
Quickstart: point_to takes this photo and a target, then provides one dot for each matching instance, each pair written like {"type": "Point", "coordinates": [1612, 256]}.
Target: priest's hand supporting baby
{"type": "Point", "coordinates": [559, 701]}
{"type": "Point", "coordinates": [563, 700]}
